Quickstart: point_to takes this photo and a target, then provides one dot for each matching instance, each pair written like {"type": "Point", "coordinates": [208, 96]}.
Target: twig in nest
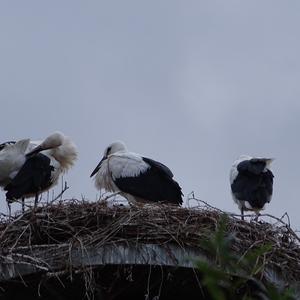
{"type": "Point", "coordinates": [288, 218]}
{"type": "Point", "coordinates": [191, 196]}
{"type": "Point", "coordinates": [109, 196]}
{"type": "Point", "coordinates": [66, 187]}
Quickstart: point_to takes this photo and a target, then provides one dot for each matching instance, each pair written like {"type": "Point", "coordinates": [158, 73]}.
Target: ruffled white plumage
{"type": "Point", "coordinates": [119, 165]}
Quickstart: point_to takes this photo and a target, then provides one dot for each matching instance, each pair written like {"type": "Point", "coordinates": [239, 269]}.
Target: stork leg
{"type": "Point", "coordinates": [242, 213]}
{"type": "Point", "coordinates": [36, 200]}
{"type": "Point", "coordinates": [23, 204]}
{"type": "Point", "coordinates": [9, 208]}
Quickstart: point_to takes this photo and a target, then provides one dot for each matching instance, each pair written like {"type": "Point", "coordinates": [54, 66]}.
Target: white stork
{"type": "Point", "coordinates": [137, 178]}
{"type": "Point", "coordinates": [12, 158]}
{"type": "Point", "coordinates": [42, 167]}
{"type": "Point", "coordinates": [251, 183]}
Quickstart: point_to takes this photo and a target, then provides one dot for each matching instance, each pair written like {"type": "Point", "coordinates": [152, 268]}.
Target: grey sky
{"type": "Point", "coordinates": [193, 84]}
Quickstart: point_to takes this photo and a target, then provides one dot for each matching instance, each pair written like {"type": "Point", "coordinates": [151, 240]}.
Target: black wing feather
{"type": "Point", "coordinates": [255, 166]}
{"type": "Point", "coordinates": [33, 177]}
{"type": "Point", "coordinates": [155, 184]}
{"type": "Point", "coordinates": [253, 186]}
{"type": "Point", "coordinates": [158, 165]}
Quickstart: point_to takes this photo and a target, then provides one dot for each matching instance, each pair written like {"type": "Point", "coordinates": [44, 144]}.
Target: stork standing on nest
{"type": "Point", "coordinates": [137, 178]}
{"type": "Point", "coordinates": [12, 158]}
{"type": "Point", "coordinates": [251, 183]}
{"type": "Point", "coordinates": [42, 167]}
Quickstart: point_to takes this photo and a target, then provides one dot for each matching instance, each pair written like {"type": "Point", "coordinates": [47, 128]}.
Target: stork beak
{"type": "Point", "coordinates": [35, 151]}
{"type": "Point", "coordinates": [98, 166]}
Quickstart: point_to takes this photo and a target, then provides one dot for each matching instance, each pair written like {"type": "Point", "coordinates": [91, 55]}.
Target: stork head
{"type": "Point", "coordinates": [114, 147]}
{"type": "Point", "coordinates": [60, 147]}
{"type": "Point", "coordinates": [52, 141]}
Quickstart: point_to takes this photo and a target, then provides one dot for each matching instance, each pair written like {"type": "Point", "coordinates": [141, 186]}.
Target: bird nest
{"type": "Point", "coordinates": [55, 228]}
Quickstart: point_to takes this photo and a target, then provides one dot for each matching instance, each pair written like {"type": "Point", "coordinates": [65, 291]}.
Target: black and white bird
{"type": "Point", "coordinates": [42, 166]}
{"type": "Point", "coordinates": [251, 183]}
{"type": "Point", "coordinates": [12, 158]}
{"type": "Point", "coordinates": [137, 178]}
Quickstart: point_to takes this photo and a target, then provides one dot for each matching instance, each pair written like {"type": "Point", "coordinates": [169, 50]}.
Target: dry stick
{"type": "Point", "coordinates": [109, 196]}
{"type": "Point", "coordinates": [15, 244]}
{"type": "Point", "coordinates": [10, 225]}
{"type": "Point", "coordinates": [261, 215]}
{"type": "Point", "coordinates": [287, 226]}
{"type": "Point", "coordinates": [66, 187]}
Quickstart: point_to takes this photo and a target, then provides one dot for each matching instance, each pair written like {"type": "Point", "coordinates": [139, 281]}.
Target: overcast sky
{"type": "Point", "coordinates": [193, 84]}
